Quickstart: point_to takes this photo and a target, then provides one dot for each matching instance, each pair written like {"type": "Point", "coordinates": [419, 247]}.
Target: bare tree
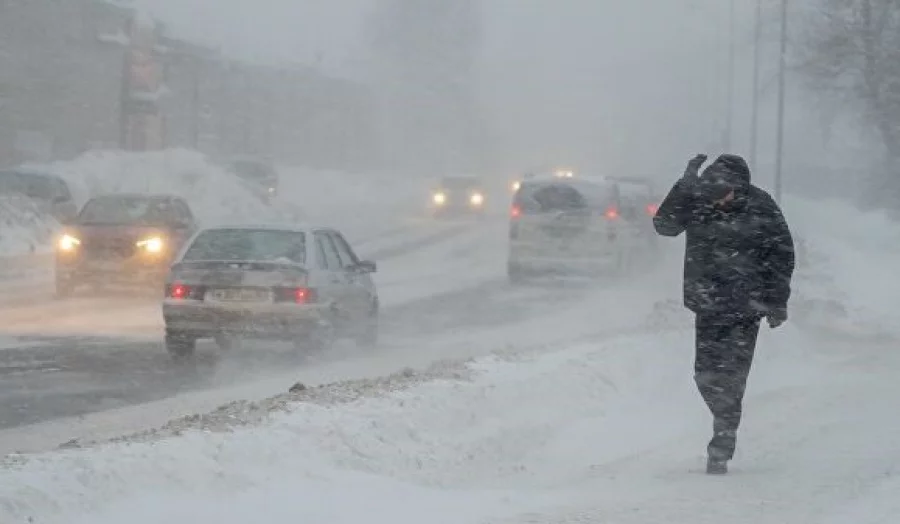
{"type": "Point", "coordinates": [852, 50]}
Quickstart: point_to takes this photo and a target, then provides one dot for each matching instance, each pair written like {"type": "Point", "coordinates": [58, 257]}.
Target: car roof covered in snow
{"type": "Point", "coordinates": [296, 228]}
{"type": "Point", "coordinates": [145, 196]}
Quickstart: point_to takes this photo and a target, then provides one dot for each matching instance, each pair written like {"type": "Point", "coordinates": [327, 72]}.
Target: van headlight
{"type": "Point", "coordinates": [476, 199]}
{"type": "Point", "coordinates": [439, 198]}
{"type": "Point", "coordinates": [151, 245]}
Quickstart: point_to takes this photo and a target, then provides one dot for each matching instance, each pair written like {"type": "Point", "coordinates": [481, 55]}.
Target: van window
{"type": "Point", "coordinates": [549, 198]}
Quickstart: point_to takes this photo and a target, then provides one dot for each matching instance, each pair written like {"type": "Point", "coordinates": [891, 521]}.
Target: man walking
{"type": "Point", "coordinates": [738, 264]}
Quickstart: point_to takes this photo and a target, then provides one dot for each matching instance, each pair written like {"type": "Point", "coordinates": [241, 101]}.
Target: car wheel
{"type": "Point", "coordinates": [515, 274]}
{"type": "Point", "coordinates": [227, 342]}
{"type": "Point", "coordinates": [368, 336]}
{"type": "Point", "coordinates": [180, 346]}
{"type": "Point", "coordinates": [320, 338]}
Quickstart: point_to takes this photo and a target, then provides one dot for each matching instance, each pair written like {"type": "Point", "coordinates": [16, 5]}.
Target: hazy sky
{"type": "Point", "coordinates": [596, 83]}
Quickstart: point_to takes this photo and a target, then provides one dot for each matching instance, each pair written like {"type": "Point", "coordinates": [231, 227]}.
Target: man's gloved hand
{"type": "Point", "coordinates": [776, 317]}
{"type": "Point", "coordinates": [693, 166]}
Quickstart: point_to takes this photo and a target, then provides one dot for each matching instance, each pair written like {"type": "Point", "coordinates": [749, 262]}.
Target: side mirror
{"type": "Point", "coordinates": [367, 266]}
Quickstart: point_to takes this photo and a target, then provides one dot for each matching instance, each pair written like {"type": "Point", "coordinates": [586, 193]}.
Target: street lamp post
{"type": "Point", "coordinates": [729, 113]}
{"type": "Point", "coordinates": [779, 146]}
{"type": "Point", "coordinates": [754, 117]}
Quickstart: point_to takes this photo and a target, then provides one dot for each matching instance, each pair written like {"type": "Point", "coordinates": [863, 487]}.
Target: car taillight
{"type": "Point", "coordinates": [652, 209]}
{"type": "Point", "coordinates": [611, 213]}
{"type": "Point", "coordinates": [178, 291]}
{"type": "Point", "coordinates": [515, 212]}
{"type": "Point", "coordinates": [296, 295]}
{"type": "Point", "coordinates": [304, 295]}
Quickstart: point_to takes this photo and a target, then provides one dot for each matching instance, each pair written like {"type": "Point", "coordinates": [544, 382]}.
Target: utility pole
{"type": "Point", "coordinates": [754, 118]}
{"type": "Point", "coordinates": [782, 66]}
{"type": "Point", "coordinates": [730, 109]}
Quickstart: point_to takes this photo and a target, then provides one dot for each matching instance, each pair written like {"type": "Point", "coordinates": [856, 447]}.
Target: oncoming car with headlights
{"type": "Point", "coordinates": [122, 239]}
{"type": "Point", "coordinates": [458, 195]}
{"type": "Point", "coordinates": [298, 284]}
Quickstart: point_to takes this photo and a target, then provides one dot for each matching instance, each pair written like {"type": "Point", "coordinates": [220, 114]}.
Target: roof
{"type": "Point", "coordinates": [576, 182]}
{"type": "Point", "coordinates": [147, 196]}
{"type": "Point", "coordinates": [295, 228]}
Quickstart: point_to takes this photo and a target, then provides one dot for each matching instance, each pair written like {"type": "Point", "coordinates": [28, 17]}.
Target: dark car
{"type": "Point", "coordinates": [458, 195]}
{"type": "Point", "coordinates": [299, 284]}
{"type": "Point", "coordinates": [49, 192]}
{"type": "Point", "coordinates": [122, 239]}
{"type": "Point", "coordinates": [259, 176]}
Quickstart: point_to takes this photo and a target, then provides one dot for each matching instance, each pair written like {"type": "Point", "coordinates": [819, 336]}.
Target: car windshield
{"type": "Point", "coordinates": [255, 171]}
{"type": "Point", "coordinates": [30, 185]}
{"type": "Point", "coordinates": [553, 197]}
{"type": "Point", "coordinates": [459, 183]}
{"type": "Point", "coordinates": [248, 244]}
{"type": "Point", "coordinates": [127, 211]}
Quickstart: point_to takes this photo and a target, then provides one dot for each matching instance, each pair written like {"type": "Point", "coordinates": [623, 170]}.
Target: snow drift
{"type": "Point", "coordinates": [24, 227]}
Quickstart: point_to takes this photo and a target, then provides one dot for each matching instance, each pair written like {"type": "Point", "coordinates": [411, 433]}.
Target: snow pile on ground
{"type": "Point", "coordinates": [215, 196]}
{"type": "Point", "coordinates": [457, 438]}
{"type": "Point", "coordinates": [24, 227]}
{"type": "Point", "coordinates": [846, 280]}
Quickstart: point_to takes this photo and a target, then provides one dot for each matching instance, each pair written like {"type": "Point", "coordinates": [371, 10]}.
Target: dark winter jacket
{"type": "Point", "coordinates": [739, 257]}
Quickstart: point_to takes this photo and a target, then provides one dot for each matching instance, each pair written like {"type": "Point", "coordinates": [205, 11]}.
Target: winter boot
{"type": "Point", "coordinates": [716, 466]}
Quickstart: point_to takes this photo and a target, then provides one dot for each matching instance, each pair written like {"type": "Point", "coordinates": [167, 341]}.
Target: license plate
{"type": "Point", "coordinates": [239, 295]}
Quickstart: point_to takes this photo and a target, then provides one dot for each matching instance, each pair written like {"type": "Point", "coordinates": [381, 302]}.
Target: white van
{"type": "Point", "coordinates": [570, 227]}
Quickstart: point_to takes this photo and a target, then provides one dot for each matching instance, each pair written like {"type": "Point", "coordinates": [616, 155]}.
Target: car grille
{"type": "Point", "coordinates": [109, 248]}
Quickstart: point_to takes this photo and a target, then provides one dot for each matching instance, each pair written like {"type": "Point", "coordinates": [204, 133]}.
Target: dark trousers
{"type": "Point", "coordinates": [725, 346]}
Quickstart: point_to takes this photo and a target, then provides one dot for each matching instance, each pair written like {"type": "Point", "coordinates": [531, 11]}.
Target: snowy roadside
{"type": "Point", "coordinates": [461, 434]}
{"type": "Point", "coordinates": [846, 282]}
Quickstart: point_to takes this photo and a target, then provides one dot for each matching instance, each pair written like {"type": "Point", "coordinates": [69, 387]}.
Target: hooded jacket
{"type": "Point", "coordinates": [739, 255]}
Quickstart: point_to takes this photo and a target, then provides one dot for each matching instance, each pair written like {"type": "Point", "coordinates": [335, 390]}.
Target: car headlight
{"type": "Point", "coordinates": [151, 245]}
{"type": "Point", "coordinates": [476, 199]}
{"type": "Point", "coordinates": [439, 198]}
{"type": "Point", "coordinates": [516, 185]}
{"type": "Point", "coordinates": [68, 243]}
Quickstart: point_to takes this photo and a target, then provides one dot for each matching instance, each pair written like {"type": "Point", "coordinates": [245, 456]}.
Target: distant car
{"type": "Point", "coordinates": [303, 285]}
{"type": "Point", "coordinates": [458, 195]}
{"type": "Point", "coordinates": [260, 176]}
{"type": "Point", "coordinates": [122, 239]}
{"type": "Point", "coordinates": [638, 203]}
{"type": "Point", "coordinates": [569, 226]}
{"type": "Point", "coordinates": [48, 191]}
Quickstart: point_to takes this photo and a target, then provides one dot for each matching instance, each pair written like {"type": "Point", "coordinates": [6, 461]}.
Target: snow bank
{"type": "Point", "coordinates": [846, 281]}
{"type": "Point", "coordinates": [215, 196]}
{"type": "Point", "coordinates": [24, 227]}
{"type": "Point", "coordinates": [457, 436]}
